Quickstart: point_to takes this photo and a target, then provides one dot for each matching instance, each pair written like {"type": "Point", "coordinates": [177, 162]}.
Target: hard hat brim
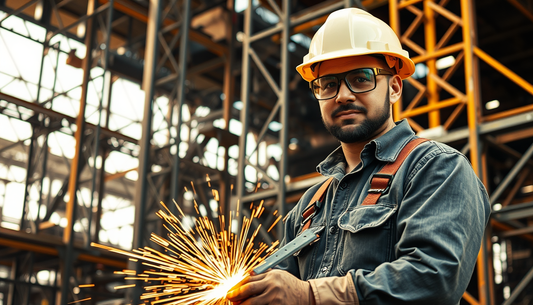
{"type": "Point", "coordinates": [307, 74]}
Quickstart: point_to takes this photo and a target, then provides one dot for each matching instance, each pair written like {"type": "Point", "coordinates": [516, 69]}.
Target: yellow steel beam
{"type": "Point", "coordinates": [504, 70]}
{"type": "Point", "coordinates": [32, 247]}
{"type": "Point", "coordinates": [80, 129]}
{"type": "Point", "coordinates": [406, 3]}
{"type": "Point", "coordinates": [472, 93]}
{"type": "Point", "coordinates": [428, 108]}
{"type": "Point", "coordinates": [432, 93]}
{"type": "Point", "coordinates": [395, 25]}
{"type": "Point", "coordinates": [470, 299]}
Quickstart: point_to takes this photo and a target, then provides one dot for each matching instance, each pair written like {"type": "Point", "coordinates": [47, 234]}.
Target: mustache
{"type": "Point", "coordinates": [346, 107]}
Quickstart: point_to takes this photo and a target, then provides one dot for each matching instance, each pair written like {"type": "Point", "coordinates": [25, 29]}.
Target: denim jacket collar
{"type": "Point", "coordinates": [385, 148]}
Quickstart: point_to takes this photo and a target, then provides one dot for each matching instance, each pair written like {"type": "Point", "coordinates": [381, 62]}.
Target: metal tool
{"type": "Point", "coordinates": [289, 249]}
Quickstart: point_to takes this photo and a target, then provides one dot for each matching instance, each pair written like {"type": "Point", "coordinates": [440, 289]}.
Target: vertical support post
{"type": "Point", "coordinates": [29, 175]}
{"type": "Point", "coordinates": [101, 172]}
{"type": "Point", "coordinates": [150, 63]}
{"type": "Point", "coordinates": [472, 93]}
{"type": "Point", "coordinates": [394, 19]}
{"type": "Point", "coordinates": [68, 235]}
{"type": "Point", "coordinates": [43, 174]}
{"type": "Point", "coordinates": [284, 110]}
{"type": "Point", "coordinates": [105, 85]}
{"type": "Point", "coordinates": [431, 40]}
{"type": "Point", "coordinates": [180, 98]}
{"type": "Point", "coordinates": [245, 97]}
{"type": "Point", "coordinates": [229, 92]}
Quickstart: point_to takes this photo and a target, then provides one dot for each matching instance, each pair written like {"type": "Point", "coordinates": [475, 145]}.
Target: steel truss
{"type": "Point", "coordinates": [483, 134]}
{"type": "Point", "coordinates": [83, 171]}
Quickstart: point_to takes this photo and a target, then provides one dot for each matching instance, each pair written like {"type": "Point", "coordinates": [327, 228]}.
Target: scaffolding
{"type": "Point", "coordinates": [183, 57]}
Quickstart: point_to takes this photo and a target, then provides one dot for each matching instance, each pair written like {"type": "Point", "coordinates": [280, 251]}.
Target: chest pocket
{"type": "Point", "coordinates": [367, 237]}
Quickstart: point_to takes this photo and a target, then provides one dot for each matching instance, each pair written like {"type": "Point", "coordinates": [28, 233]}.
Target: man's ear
{"type": "Point", "coordinates": [395, 89]}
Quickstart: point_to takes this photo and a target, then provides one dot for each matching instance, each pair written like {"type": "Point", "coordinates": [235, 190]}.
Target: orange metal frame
{"type": "Point", "coordinates": [468, 54]}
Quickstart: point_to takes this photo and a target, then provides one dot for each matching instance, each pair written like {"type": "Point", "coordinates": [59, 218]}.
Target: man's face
{"type": "Point", "coordinates": [356, 117]}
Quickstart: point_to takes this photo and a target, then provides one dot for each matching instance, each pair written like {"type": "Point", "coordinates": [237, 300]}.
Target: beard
{"type": "Point", "coordinates": [365, 131]}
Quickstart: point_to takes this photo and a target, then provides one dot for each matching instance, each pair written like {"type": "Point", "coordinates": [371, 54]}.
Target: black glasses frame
{"type": "Point", "coordinates": [342, 76]}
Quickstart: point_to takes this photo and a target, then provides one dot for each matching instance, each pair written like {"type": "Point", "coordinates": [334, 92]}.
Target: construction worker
{"type": "Point", "coordinates": [390, 232]}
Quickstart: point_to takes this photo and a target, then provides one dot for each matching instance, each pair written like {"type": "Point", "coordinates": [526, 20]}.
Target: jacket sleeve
{"type": "Point", "coordinates": [440, 225]}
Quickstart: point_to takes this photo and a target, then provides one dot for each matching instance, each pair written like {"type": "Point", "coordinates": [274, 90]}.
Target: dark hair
{"type": "Point", "coordinates": [382, 58]}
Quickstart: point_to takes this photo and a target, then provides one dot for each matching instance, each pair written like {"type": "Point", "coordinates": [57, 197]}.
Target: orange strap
{"type": "Point", "coordinates": [379, 184]}
{"type": "Point", "coordinates": [381, 181]}
{"type": "Point", "coordinates": [309, 211]}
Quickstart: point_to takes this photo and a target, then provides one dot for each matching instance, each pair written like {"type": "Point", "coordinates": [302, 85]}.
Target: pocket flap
{"type": "Point", "coordinates": [362, 217]}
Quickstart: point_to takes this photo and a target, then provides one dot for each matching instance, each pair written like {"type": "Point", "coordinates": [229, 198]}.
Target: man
{"type": "Point", "coordinates": [419, 242]}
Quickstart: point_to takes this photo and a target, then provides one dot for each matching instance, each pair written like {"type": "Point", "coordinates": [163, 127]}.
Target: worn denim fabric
{"type": "Point", "coordinates": [417, 245]}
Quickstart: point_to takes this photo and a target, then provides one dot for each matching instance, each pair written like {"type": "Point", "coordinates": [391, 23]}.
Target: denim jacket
{"type": "Point", "coordinates": [417, 245]}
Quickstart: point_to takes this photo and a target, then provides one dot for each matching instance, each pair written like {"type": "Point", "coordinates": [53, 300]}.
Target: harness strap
{"type": "Point", "coordinates": [379, 184]}
{"type": "Point", "coordinates": [317, 199]}
{"type": "Point", "coordinates": [381, 181]}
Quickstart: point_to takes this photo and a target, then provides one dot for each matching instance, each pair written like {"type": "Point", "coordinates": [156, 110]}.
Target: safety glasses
{"type": "Point", "coordinates": [358, 81]}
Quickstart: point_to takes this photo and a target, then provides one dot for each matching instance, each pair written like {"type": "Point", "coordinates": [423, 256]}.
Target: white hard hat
{"type": "Point", "coordinates": [355, 32]}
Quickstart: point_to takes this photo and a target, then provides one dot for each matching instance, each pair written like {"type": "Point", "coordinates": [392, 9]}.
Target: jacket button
{"type": "Point", "coordinates": [324, 270]}
{"type": "Point", "coordinates": [343, 185]}
{"type": "Point", "coordinates": [332, 229]}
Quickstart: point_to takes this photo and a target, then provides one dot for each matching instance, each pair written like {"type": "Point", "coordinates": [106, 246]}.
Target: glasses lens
{"type": "Point", "coordinates": [325, 87]}
{"type": "Point", "coordinates": [361, 80]}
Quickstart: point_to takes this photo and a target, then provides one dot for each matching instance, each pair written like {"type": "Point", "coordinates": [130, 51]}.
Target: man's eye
{"type": "Point", "coordinates": [359, 79]}
{"type": "Point", "coordinates": [330, 85]}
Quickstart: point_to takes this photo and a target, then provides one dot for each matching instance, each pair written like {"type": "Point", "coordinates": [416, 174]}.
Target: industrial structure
{"type": "Point", "coordinates": [201, 102]}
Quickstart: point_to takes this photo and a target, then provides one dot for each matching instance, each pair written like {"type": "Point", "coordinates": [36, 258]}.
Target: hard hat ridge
{"type": "Point", "coordinates": [355, 32]}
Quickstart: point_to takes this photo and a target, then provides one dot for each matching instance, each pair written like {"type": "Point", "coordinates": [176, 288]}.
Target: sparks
{"type": "Point", "coordinates": [199, 265]}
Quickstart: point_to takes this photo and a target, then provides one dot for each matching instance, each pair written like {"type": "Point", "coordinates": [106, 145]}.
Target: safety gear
{"type": "Point", "coordinates": [355, 32]}
{"type": "Point", "coordinates": [358, 81]}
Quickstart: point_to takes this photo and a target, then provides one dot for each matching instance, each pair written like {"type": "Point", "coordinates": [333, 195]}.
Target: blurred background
{"type": "Point", "coordinates": [108, 107]}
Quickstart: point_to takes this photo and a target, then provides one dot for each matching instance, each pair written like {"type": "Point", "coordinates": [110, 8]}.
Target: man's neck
{"type": "Point", "coordinates": [352, 151]}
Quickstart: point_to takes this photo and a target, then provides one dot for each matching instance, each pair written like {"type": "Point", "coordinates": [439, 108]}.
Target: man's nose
{"type": "Point", "coordinates": [345, 94]}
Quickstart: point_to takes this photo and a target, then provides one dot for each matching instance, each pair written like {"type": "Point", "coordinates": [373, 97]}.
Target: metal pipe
{"type": "Point", "coordinates": [105, 83]}
{"type": "Point", "coordinates": [473, 114]}
{"type": "Point", "coordinates": [245, 98]}
{"type": "Point", "coordinates": [519, 288]}
{"type": "Point", "coordinates": [29, 175]}
{"type": "Point", "coordinates": [184, 49]}
{"type": "Point", "coordinates": [432, 94]}
{"type": "Point", "coordinates": [68, 235]}
{"type": "Point", "coordinates": [511, 175]}
{"type": "Point", "coordinates": [154, 23]}
{"type": "Point", "coordinates": [284, 112]}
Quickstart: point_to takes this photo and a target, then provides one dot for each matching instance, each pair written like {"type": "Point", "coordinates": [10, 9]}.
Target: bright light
{"type": "Point", "coordinates": [506, 292]}
{"type": "Point", "coordinates": [445, 62]}
{"type": "Point", "coordinates": [275, 126]}
{"type": "Point", "coordinates": [527, 189]}
{"type": "Point", "coordinates": [220, 291]}
{"type": "Point", "coordinates": [80, 31]}
{"type": "Point", "coordinates": [237, 105]}
{"type": "Point", "coordinates": [421, 70]}
{"type": "Point", "coordinates": [492, 104]}
{"type": "Point", "coordinates": [38, 13]}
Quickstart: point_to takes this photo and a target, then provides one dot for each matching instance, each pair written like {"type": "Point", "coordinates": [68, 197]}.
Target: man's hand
{"type": "Point", "coordinates": [272, 287]}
